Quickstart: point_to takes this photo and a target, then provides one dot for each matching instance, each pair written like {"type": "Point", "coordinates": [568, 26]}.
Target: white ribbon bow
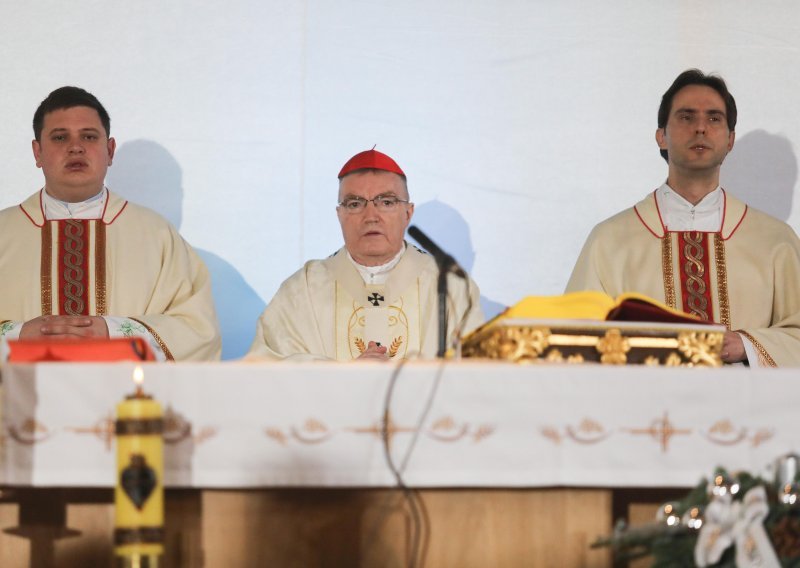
{"type": "Point", "coordinates": [728, 522]}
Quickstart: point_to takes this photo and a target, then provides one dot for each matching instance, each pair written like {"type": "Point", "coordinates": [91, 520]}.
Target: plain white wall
{"type": "Point", "coordinates": [520, 124]}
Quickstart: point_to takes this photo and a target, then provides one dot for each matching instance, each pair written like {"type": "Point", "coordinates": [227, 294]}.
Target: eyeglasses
{"type": "Point", "coordinates": [383, 203]}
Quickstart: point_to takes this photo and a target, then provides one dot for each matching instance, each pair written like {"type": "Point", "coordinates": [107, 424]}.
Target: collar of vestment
{"type": "Point", "coordinates": [377, 275]}
{"type": "Point", "coordinates": [390, 313]}
{"type": "Point", "coordinates": [399, 277]}
{"type": "Point", "coordinates": [733, 212]}
{"type": "Point", "coordinates": [34, 207]}
{"type": "Point", "coordinates": [679, 214]}
{"type": "Point", "coordinates": [92, 208]}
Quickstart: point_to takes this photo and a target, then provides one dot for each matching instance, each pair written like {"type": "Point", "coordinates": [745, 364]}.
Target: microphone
{"type": "Point", "coordinates": [445, 263]}
{"type": "Point", "coordinates": [444, 260]}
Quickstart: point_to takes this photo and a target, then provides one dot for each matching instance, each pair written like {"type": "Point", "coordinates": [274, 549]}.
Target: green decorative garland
{"type": "Point", "coordinates": [671, 540]}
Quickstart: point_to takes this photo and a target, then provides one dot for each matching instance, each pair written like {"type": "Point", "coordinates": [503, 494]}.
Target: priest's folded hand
{"type": "Point", "coordinates": [375, 351]}
{"type": "Point", "coordinates": [73, 327]}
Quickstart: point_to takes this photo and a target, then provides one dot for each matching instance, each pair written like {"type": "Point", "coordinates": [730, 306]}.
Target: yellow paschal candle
{"type": "Point", "coordinates": [139, 491]}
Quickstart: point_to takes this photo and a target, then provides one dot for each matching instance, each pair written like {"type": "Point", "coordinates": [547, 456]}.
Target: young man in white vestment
{"type": "Point", "coordinates": [694, 246]}
{"type": "Point", "coordinates": [81, 262]}
{"type": "Point", "coordinates": [375, 298]}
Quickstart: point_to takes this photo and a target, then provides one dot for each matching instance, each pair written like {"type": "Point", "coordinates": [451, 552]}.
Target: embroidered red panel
{"type": "Point", "coordinates": [693, 251]}
{"type": "Point", "coordinates": [73, 266]}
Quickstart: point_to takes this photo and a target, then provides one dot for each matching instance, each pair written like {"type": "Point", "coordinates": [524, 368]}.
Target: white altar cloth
{"type": "Point", "coordinates": [477, 425]}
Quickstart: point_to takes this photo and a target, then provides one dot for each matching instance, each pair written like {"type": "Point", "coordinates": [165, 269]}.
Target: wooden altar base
{"type": "Point", "coordinates": [317, 527]}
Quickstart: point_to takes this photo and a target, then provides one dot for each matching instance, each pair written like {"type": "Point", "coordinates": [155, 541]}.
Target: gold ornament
{"type": "Point", "coordinates": [613, 348]}
{"type": "Point", "coordinates": [516, 344]}
{"type": "Point", "coordinates": [700, 348]}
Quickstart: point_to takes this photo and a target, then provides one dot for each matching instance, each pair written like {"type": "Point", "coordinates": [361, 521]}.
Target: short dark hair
{"type": "Point", "coordinates": [68, 97]}
{"type": "Point", "coordinates": [696, 77]}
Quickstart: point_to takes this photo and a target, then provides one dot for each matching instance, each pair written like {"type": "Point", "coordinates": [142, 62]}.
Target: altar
{"type": "Point", "coordinates": [298, 464]}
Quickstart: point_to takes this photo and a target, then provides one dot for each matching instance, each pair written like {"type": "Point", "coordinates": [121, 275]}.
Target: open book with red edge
{"type": "Point", "coordinates": [62, 350]}
{"type": "Point", "coordinates": [594, 305]}
{"type": "Point", "coordinates": [635, 307]}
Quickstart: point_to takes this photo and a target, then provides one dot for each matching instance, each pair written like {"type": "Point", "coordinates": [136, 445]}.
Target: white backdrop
{"type": "Point", "coordinates": [520, 123]}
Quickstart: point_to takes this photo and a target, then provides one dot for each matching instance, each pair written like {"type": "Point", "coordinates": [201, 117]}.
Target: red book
{"type": "Point", "coordinates": [44, 350]}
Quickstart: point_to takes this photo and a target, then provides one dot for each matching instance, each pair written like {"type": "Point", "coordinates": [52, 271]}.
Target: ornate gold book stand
{"type": "Point", "coordinates": [605, 342]}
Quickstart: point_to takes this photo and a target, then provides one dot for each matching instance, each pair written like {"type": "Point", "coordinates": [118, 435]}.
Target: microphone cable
{"type": "Point", "coordinates": [458, 332]}
{"type": "Point", "coordinates": [420, 521]}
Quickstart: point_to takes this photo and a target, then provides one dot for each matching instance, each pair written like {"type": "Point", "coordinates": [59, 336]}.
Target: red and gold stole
{"type": "Point", "coordinates": [73, 272]}
{"type": "Point", "coordinates": [695, 274]}
{"type": "Point", "coordinates": [694, 278]}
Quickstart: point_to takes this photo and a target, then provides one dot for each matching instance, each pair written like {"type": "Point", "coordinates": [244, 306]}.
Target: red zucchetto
{"type": "Point", "coordinates": [370, 160]}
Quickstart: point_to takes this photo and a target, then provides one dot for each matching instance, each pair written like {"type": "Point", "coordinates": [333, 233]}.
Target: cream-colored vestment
{"type": "Point", "coordinates": [129, 263]}
{"type": "Point", "coordinates": [746, 276]}
{"type": "Point", "coordinates": [325, 310]}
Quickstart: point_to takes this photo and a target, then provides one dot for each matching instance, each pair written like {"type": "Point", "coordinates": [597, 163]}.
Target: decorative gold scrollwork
{"type": "Point", "coordinates": [554, 356]}
{"type": "Point", "coordinates": [701, 348]}
{"type": "Point", "coordinates": [607, 343]}
{"type": "Point", "coordinates": [517, 344]}
{"type": "Point", "coordinates": [613, 348]}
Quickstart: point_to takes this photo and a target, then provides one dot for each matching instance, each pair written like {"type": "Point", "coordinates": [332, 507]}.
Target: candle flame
{"type": "Point", "coordinates": [138, 377]}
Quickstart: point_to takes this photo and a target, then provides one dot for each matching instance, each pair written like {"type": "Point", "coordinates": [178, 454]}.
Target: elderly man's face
{"type": "Point", "coordinates": [374, 237]}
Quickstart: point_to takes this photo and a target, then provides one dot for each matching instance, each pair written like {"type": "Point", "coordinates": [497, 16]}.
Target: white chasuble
{"type": "Point", "coordinates": [326, 311]}
{"type": "Point", "coordinates": [744, 276]}
{"type": "Point", "coordinates": [388, 314]}
{"type": "Point", "coordinates": [129, 263]}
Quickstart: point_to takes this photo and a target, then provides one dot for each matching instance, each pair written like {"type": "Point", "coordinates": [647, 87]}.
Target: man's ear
{"type": "Point", "coordinates": [37, 151]}
{"type": "Point", "coordinates": [661, 138]}
{"type": "Point", "coordinates": [112, 146]}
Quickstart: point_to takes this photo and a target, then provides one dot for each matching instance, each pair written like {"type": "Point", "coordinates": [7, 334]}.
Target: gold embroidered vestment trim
{"type": "Point", "coordinates": [158, 339]}
{"type": "Point", "coordinates": [45, 273]}
{"type": "Point", "coordinates": [722, 281]}
{"type": "Point", "coordinates": [666, 265]}
{"type": "Point", "coordinates": [100, 269]}
{"type": "Point", "coordinates": [763, 355]}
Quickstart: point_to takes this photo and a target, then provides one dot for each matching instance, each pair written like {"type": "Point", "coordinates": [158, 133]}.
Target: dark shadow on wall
{"type": "Point", "coordinates": [144, 172]}
{"type": "Point", "coordinates": [761, 170]}
{"type": "Point", "coordinates": [448, 229]}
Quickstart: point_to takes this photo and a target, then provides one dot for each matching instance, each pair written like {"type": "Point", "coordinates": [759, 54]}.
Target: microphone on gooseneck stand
{"type": "Point", "coordinates": [446, 263]}
{"type": "Point", "coordinates": [444, 260]}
